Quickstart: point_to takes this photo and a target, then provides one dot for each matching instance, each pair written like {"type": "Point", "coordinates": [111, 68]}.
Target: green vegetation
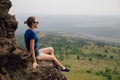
{"type": "Point", "coordinates": [88, 60]}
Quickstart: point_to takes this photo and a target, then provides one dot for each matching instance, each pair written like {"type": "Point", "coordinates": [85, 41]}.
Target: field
{"type": "Point", "coordinates": [91, 70]}
{"type": "Point", "coordinates": [88, 60]}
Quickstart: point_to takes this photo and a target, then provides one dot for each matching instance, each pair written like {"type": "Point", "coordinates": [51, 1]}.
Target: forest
{"type": "Point", "coordinates": [87, 59]}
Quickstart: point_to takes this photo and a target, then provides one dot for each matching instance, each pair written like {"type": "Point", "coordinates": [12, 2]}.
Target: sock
{"type": "Point", "coordinates": [63, 68]}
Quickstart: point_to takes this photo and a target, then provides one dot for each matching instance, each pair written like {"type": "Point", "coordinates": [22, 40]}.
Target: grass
{"type": "Point", "coordinates": [88, 70]}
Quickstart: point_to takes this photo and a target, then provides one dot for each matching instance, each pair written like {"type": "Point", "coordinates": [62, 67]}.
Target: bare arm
{"type": "Point", "coordinates": [32, 42]}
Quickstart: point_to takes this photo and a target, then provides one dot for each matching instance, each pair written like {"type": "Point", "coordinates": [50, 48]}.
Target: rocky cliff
{"type": "Point", "coordinates": [15, 64]}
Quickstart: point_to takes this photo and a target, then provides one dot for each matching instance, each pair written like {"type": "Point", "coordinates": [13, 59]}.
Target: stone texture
{"type": "Point", "coordinates": [15, 64]}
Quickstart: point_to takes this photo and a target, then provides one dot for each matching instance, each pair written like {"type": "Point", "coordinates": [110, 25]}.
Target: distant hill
{"type": "Point", "coordinates": [112, 32]}
{"type": "Point", "coordinates": [105, 34]}
{"type": "Point", "coordinates": [82, 36]}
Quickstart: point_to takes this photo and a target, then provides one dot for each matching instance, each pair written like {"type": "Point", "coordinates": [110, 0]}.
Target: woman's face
{"type": "Point", "coordinates": [36, 23]}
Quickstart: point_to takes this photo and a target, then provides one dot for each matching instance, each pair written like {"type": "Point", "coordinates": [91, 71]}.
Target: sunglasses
{"type": "Point", "coordinates": [36, 22]}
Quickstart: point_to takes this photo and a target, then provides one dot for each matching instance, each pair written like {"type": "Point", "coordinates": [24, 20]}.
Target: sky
{"type": "Point", "coordinates": [89, 7]}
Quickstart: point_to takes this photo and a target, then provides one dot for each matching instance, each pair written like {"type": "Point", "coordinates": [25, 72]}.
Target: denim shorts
{"type": "Point", "coordinates": [36, 52]}
{"type": "Point", "coordinates": [38, 56]}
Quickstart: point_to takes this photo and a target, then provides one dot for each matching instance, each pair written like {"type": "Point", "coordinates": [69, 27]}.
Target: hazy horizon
{"type": "Point", "coordinates": [95, 25]}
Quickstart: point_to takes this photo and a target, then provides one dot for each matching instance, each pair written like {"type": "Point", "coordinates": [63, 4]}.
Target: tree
{"type": "Point", "coordinates": [78, 57]}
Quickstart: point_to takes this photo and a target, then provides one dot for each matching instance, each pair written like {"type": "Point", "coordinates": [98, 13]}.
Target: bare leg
{"type": "Point", "coordinates": [48, 50]}
{"type": "Point", "coordinates": [48, 54]}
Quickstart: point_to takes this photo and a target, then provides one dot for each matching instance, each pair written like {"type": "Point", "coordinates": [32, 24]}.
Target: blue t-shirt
{"type": "Point", "coordinates": [28, 35]}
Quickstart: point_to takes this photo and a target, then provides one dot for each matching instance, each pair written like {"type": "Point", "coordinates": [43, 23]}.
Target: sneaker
{"type": "Point", "coordinates": [65, 70]}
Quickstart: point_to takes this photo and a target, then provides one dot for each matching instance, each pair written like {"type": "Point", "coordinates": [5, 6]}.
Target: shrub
{"type": "Point", "coordinates": [78, 57]}
{"type": "Point", "coordinates": [109, 77]}
{"type": "Point", "coordinates": [88, 71]}
{"type": "Point", "coordinates": [105, 74]}
{"type": "Point", "coordinates": [111, 57]}
{"type": "Point", "coordinates": [98, 73]}
{"type": "Point", "coordinates": [108, 70]}
{"type": "Point", "coordinates": [90, 59]}
{"type": "Point", "coordinates": [106, 50]}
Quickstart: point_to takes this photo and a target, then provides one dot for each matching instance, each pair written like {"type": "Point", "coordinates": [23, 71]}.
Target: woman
{"type": "Point", "coordinates": [31, 42]}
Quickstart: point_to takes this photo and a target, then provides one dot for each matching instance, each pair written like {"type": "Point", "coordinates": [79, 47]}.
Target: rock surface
{"type": "Point", "coordinates": [15, 64]}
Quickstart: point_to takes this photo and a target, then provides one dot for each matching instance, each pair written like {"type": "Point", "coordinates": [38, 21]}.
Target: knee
{"type": "Point", "coordinates": [52, 49]}
{"type": "Point", "coordinates": [53, 57]}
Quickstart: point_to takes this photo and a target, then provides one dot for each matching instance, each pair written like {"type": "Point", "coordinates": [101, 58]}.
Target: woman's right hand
{"type": "Point", "coordinates": [35, 65]}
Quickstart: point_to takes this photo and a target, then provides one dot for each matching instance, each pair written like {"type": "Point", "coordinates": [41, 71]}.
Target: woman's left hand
{"type": "Point", "coordinates": [35, 65]}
